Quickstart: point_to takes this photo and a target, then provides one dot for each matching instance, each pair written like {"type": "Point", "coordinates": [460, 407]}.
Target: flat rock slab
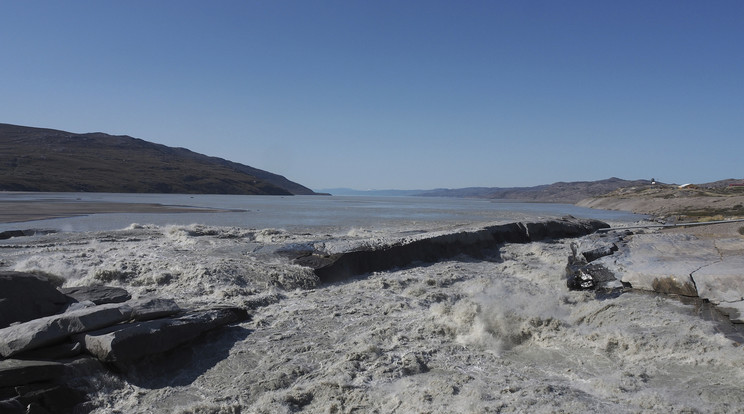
{"type": "Point", "coordinates": [15, 372]}
{"type": "Point", "coordinates": [56, 328]}
{"type": "Point", "coordinates": [25, 296]}
{"type": "Point", "coordinates": [662, 262]}
{"type": "Point", "coordinates": [99, 295]}
{"type": "Point", "coordinates": [152, 308]}
{"type": "Point", "coordinates": [672, 262]}
{"type": "Point", "coordinates": [722, 281]}
{"type": "Point", "coordinates": [130, 342]}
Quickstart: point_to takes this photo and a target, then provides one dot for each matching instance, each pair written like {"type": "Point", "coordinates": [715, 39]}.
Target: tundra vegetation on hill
{"type": "Point", "coordinates": [37, 159]}
{"type": "Point", "coordinates": [710, 201]}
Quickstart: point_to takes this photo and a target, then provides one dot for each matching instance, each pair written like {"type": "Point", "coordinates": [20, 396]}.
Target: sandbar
{"type": "Point", "coordinates": [19, 211]}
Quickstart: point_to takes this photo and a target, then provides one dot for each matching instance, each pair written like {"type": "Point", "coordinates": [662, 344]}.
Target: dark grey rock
{"type": "Point", "coordinates": [7, 393]}
{"type": "Point", "coordinates": [15, 372]}
{"type": "Point", "coordinates": [130, 342]}
{"type": "Point", "coordinates": [331, 268]}
{"type": "Point", "coordinates": [99, 295]}
{"type": "Point", "coordinates": [582, 275]}
{"type": "Point", "coordinates": [25, 296]}
{"type": "Point", "coordinates": [576, 277]}
{"type": "Point", "coordinates": [51, 398]}
{"type": "Point", "coordinates": [12, 406]}
{"type": "Point", "coordinates": [35, 408]}
{"type": "Point", "coordinates": [54, 352]}
{"type": "Point", "coordinates": [599, 252]}
{"type": "Point", "coordinates": [152, 308]}
{"type": "Point", "coordinates": [54, 329]}
{"type": "Point", "coordinates": [4, 235]}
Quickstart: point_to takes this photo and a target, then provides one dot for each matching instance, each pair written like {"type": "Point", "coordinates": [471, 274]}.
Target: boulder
{"type": "Point", "coordinates": [4, 235]}
{"type": "Point", "coordinates": [599, 252]}
{"type": "Point", "coordinates": [24, 296]}
{"type": "Point", "coordinates": [15, 372]}
{"type": "Point", "coordinates": [99, 295]}
{"type": "Point", "coordinates": [152, 308]}
{"type": "Point", "coordinates": [576, 277]}
{"type": "Point", "coordinates": [130, 342]}
{"type": "Point", "coordinates": [53, 329]}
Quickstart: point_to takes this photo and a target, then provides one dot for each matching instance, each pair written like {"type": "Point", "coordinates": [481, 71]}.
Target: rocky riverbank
{"type": "Point", "coordinates": [52, 339]}
{"type": "Point", "coordinates": [704, 262]}
{"type": "Point", "coordinates": [686, 204]}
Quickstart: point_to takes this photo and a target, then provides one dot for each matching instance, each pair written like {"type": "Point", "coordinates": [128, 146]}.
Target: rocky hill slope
{"type": "Point", "coordinates": [695, 202]}
{"type": "Point", "coordinates": [37, 159]}
{"type": "Point", "coordinates": [560, 192]}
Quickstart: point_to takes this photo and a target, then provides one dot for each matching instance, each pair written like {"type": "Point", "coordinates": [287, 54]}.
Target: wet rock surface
{"type": "Point", "coordinates": [130, 342]}
{"type": "Point", "coordinates": [54, 329]}
{"type": "Point", "coordinates": [30, 386]}
{"type": "Point", "coordinates": [99, 295]}
{"type": "Point", "coordinates": [676, 263]}
{"type": "Point", "coordinates": [337, 267]}
{"type": "Point", "coordinates": [21, 372]}
{"type": "Point", "coordinates": [41, 352]}
{"type": "Point", "coordinates": [7, 234]}
{"type": "Point", "coordinates": [25, 296]}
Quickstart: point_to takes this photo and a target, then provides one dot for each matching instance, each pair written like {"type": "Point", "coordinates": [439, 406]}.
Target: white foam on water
{"type": "Point", "coordinates": [463, 335]}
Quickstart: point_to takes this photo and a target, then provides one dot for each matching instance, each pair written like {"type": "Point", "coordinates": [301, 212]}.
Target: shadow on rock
{"type": "Point", "coordinates": [183, 365]}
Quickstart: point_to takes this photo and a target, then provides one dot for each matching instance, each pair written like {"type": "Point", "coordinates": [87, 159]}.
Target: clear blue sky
{"type": "Point", "coordinates": [394, 94]}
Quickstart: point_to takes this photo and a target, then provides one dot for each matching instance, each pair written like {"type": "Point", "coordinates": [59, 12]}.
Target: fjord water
{"type": "Point", "coordinates": [297, 212]}
{"type": "Point", "coordinates": [496, 334]}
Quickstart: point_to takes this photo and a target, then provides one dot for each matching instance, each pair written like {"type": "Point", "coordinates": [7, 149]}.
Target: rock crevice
{"type": "Point", "coordinates": [667, 263]}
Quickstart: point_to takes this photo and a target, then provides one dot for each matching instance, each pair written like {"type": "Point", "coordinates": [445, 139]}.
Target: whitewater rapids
{"type": "Point", "coordinates": [464, 335]}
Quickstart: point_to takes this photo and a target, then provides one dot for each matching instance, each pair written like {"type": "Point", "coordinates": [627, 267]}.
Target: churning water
{"type": "Point", "coordinates": [500, 334]}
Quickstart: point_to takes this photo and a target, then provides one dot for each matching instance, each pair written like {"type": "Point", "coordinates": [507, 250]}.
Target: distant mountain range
{"type": "Point", "coordinates": [371, 193]}
{"type": "Point", "coordinates": [37, 159]}
{"type": "Point", "coordinates": [560, 192]}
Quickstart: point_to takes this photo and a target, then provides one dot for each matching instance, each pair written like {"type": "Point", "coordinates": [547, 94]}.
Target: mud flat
{"type": "Point", "coordinates": [20, 211]}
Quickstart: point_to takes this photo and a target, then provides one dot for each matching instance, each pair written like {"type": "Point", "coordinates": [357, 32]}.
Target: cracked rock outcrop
{"type": "Point", "coordinates": [671, 263]}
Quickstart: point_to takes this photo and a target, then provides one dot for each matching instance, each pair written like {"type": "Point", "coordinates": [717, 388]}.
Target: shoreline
{"type": "Point", "coordinates": [684, 206]}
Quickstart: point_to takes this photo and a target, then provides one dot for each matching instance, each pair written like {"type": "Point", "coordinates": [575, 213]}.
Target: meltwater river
{"type": "Point", "coordinates": [497, 334]}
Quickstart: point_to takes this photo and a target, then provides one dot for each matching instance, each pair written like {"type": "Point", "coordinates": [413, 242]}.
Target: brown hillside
{"type": "Point", "coordinates": [36, 159]}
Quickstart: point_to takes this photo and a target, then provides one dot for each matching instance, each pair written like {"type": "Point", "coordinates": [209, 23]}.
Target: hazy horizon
{"type": "Point", "coordinates": [395, 95]}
